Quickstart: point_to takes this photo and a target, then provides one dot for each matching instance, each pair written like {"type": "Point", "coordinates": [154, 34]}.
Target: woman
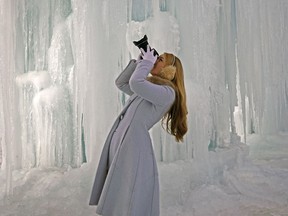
{"type": "Point", "coordinates": [126, 182]}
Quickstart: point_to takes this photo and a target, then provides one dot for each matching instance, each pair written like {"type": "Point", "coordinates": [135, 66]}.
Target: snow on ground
{"type": "Point", "coordinates": [259, 187]}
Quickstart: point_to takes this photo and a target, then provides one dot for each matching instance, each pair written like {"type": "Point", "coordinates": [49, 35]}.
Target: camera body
{"type": "Point", "coordinates": [143, 43]}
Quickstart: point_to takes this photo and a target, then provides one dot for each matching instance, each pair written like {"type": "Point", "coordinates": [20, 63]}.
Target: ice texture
{"type": "Point", "coordinates": [256, 186]}
{"type": "Point", "coordinates": [59, 60]}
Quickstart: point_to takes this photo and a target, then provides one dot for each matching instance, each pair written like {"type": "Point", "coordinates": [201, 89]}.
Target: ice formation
{"type": "Point", "coordinates": [59, 60]}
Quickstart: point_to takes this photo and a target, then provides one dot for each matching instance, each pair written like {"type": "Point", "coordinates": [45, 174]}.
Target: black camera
{"type": "Point", "coordinates": [142, 43]}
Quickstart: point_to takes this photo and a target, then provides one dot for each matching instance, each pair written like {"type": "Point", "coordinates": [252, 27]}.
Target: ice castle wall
{"type": "Point", "coordinates": [59, 60]}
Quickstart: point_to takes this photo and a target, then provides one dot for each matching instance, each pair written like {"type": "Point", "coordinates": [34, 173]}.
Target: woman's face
{"type": "Point", "coordinates": [159, 64]}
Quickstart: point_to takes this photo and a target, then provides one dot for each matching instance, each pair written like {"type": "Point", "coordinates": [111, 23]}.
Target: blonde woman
{"type": "Point", "coordinates": [126, 182]}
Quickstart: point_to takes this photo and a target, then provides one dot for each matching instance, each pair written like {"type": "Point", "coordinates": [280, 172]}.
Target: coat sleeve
{"type": "Point", "coordinates": [122, 81]}
{"type": "Point", "coordinates": [157, 94]}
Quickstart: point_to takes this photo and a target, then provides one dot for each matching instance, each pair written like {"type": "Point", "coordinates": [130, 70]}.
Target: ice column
{"type": "Point", "coordinates": [46, 84]}
{"type": "Point", "coordinates": [9, 130]}
{"type": "Point", "coordinates": [262, 56]}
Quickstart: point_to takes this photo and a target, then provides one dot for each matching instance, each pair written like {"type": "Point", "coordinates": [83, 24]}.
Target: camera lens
{"type": "Point", "coordinates": [142, 43]}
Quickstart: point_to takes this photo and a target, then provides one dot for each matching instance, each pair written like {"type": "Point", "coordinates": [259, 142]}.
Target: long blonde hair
{"type": "Point", "coordinates": [176, 117]}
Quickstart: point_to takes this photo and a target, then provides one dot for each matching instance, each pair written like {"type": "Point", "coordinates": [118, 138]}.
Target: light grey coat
{"type": "Point", "coordinates": [130, 186]}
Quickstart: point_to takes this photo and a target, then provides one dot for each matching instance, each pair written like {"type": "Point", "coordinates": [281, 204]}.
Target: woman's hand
{"type": "Point", "coordinates": [149, 55]}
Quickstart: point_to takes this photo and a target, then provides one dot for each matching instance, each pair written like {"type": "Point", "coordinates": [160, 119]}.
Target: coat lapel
{"type": "Point", "coordinates": [127, 104]}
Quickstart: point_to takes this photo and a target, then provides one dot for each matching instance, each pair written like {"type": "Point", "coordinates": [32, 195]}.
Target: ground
{"type": "Point", "coordinates": [256, 188]}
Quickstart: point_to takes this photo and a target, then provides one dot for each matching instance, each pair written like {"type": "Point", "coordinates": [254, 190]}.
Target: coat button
{"type": "Point", "coordinates": [121, 117]}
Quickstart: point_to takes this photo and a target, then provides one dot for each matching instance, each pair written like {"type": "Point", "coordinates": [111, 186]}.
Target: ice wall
{"type": "Point", "coordinates": [8, 103]}
{"type": "Point", "coordinates": [262, 53]}
{"type": "Point", "coordinates": [65, 55]}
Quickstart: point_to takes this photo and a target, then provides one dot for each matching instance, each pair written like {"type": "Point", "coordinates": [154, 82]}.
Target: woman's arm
{"type": "Point", "coordinates": [122, 81]}
{"type": "Point", "coordinates": [156, 94]}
